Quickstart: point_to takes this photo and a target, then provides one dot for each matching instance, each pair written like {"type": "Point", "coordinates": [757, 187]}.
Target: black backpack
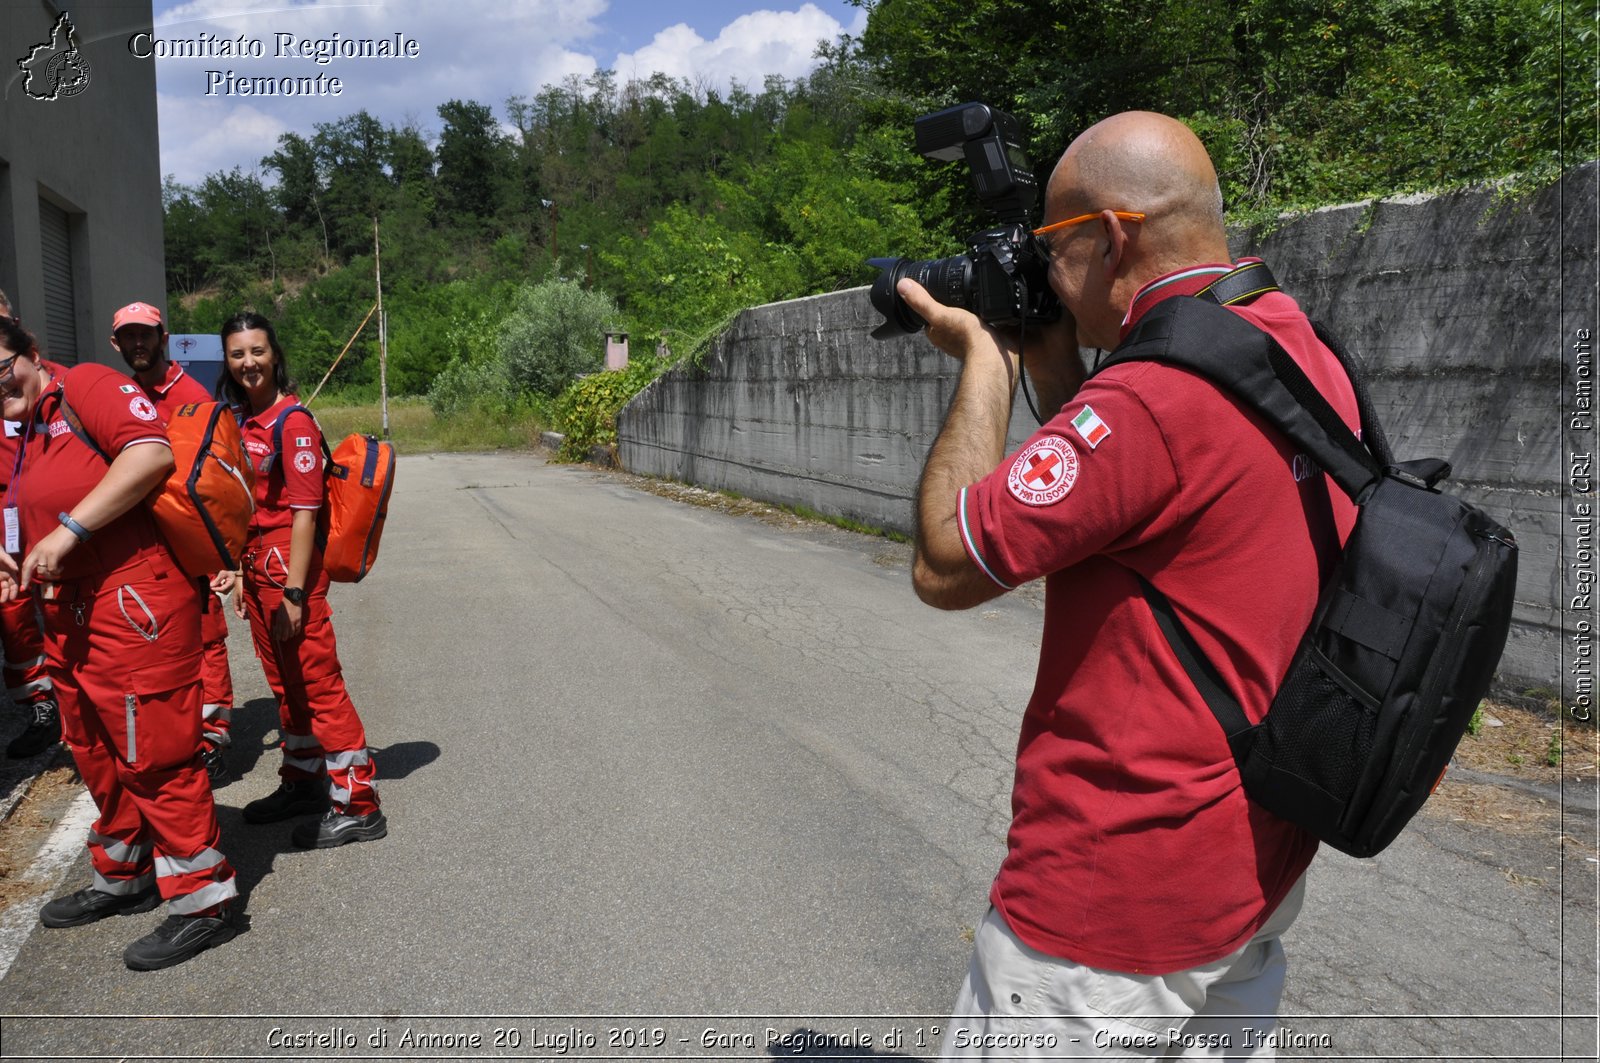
{"type": "Point", "coordinates": [1409, 627]}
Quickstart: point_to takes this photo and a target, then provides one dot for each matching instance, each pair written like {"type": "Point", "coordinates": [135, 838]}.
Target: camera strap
{"type": "Point", "coordinates": [1240, 285]}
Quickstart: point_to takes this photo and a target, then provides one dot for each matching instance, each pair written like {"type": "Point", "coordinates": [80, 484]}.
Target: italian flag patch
{"type": "Point", "coordinates": [1090, 426]}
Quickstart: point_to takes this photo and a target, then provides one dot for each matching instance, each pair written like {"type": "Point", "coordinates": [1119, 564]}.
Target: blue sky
{"type": "Point", "coordinates": [484, 50]}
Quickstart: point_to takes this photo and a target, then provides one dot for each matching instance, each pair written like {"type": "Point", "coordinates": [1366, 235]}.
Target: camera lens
{"type": "Point", "coordinates": [949, 280]}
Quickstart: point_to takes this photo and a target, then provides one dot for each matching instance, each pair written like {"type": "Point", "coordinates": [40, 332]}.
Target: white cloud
{"type": "Point", "coordinates": [219, 136]}
{"type": "Point", "coordinates": [748, 49]}
{"type": "Point", "coordinates": [483, 50]}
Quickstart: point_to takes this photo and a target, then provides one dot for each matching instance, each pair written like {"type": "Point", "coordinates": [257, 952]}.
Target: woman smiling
{"type": "Point", "coordinates": [326, 763]}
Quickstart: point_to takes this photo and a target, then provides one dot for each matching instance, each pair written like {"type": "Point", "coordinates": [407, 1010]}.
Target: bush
{"type": "Point", "coordinates": [481, 385]}
{"type": "Point", "coordinates": [587, 411]}
{"type": "Point", "coordinates": [555, 330]}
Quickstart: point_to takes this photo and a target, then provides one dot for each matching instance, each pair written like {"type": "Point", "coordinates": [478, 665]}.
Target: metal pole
{"type": "Point", "coordinates": [383, 331]}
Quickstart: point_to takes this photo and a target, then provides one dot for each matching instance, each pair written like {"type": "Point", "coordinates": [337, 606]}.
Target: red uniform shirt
{"type": "Point", "coordinates": [296, 481]}
{"type": "Point", "coordinates": [1132, 845]}
{"type": "Point", "coordinates": [177, 389]}
{"type": "Point", "coordinates": [59, 469]}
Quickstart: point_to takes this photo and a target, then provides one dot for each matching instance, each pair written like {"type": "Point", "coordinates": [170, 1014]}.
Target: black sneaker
{"type": "Point", "coordinates": [179, 938]}
{"type": "Point", "coordinates": [336, 829]}
{"type": "Point", "coordinates": [216, 765]}
{"type": "Point", "coordinates": [89, 905]}
{"type": "Point", "coordinates": [293, 797]}
{"type": "Point", "coordinates": [42, 732]}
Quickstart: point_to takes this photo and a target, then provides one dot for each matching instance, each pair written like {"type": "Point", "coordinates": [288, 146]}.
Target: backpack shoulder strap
{"type": "Point", "coordinates": [75, 423]}
{"type": "Point", "coordinates": [1253, 279]}
{"type": "Point", "coordinates": [1250, 365]}
{"type": "Point", "coordinates": [1372, 433]}
{"type": "Point", "coordinates": [277, 434]}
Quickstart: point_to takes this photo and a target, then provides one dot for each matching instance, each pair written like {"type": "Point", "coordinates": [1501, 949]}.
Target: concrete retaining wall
{"type": "Point", "coordinates": [1461, 307]}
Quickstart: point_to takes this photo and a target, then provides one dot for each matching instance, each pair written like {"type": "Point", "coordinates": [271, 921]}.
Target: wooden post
{"type": "Point", "coordinates": [383, 332]}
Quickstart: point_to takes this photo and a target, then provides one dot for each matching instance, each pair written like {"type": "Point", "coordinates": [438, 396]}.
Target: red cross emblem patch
{"type": "Point", "coordinates": [1043, 472]}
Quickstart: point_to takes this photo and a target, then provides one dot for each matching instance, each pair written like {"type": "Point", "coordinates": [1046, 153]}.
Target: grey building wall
{"type": "Point", "coordinates": [95, 154]}
{"type": "Point", "coordinates": [1455, 303]}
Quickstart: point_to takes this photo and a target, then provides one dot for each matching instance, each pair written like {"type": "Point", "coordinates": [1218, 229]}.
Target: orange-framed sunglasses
{"type": "Point", "coordinates": [1125, 215]}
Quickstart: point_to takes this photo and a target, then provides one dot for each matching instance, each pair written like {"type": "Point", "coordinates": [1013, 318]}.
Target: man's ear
{"type": "Point", "coordinates": [1116, 237]}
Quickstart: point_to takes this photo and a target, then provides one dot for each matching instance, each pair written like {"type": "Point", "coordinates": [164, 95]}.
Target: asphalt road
{"type": "Point", "coordinates": [658, 777]}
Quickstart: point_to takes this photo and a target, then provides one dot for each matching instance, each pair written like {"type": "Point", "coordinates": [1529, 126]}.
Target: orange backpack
{"type": "Point", "coordinates": [355, 502]}
{"type": "Point", "coordinates": [203, 509]}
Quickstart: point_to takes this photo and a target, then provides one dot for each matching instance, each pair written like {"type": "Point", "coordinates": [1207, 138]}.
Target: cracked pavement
{"type": "Point", "coordinates": [641, 758]}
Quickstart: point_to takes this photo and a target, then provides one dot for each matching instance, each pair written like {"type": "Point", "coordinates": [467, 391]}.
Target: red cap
{"type": "Point", "coordinates": [136, 314]}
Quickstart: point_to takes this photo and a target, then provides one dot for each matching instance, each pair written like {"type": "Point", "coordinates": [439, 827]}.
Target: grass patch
{"type": "Point", "coordinates": [847, 523]}
{"type": "Point", "coordinates": [414, 429]}
{"type": "Point", "coordinates": [781, 513]}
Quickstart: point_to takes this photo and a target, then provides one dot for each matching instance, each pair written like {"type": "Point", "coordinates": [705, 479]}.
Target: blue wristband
{"type": "Point", "coordinates": [74, 527]}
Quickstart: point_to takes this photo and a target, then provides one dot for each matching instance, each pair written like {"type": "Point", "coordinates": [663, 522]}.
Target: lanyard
{"type": "Point", "coordinates": [13, 489]}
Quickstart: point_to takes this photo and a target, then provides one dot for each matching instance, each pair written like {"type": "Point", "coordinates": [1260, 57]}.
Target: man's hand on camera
{"type": "Point", "coordinates": [958, 332]}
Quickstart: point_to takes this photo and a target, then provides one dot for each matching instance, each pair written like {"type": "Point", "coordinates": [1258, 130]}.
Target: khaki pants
{"type": "Point", "coordinates": [1018, 1003]}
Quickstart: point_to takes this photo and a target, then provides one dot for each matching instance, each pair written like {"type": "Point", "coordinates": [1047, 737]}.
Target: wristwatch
{"type": "Point", "coordinates": [295, 595]}
{"type": "Point", "coordinates": [74, 527]}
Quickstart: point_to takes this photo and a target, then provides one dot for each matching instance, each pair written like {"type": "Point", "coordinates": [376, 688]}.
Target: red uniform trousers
{"type": "Point", "coordinates": [321, 732]}
{"type": "Point", "coordinates": [27, 675]}
{"type": "Point", "coordinates": [216, 681]}
{"type": "Point", "coordinates": [125, 655]}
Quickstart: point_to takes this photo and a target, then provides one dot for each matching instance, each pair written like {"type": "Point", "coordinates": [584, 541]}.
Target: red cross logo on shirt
{"type": "Point", "coordinates": [1044, 472]}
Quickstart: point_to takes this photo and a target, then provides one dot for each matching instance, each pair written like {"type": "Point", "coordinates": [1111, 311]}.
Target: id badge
{"type": "Point", "coordinates": [13, 531]}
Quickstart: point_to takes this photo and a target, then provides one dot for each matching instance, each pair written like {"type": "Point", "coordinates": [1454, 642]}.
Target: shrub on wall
{"type": "Point", "coordinates": [587, 411]}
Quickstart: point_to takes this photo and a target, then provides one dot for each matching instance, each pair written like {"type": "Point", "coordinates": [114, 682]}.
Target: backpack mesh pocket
{"type": "Point", "coordinates": [1320, 729]}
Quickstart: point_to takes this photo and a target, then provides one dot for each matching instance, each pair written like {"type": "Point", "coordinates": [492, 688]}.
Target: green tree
{"type": "Point", "coordinates": [299, 189]}
{"type": "Point", "coordinates": [474, 158]}
{"type": "Point", "coordinates": [184, 224]}
{"type": "Point", "coordinates": [352, 157]}
{"type": "Point", "coordinates": [692, 271]}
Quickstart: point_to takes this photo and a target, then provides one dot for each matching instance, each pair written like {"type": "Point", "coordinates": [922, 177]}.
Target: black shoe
{"type": "Point", "coordinates": [42, 732]}
{"type": "Point", "coordinates": [179, 938]}
{"type": "Point", "coordinates": [336, 829]}
{"type": "Point", "coordinates": [216, 765]}
{"type": "Point", "coordinates": [293, 797]}
{"type": "Point", "coordinates": [89, 905]}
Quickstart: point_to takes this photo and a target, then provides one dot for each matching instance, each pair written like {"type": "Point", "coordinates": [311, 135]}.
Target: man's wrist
{"type": "Point", "coordinates": [294, 595]}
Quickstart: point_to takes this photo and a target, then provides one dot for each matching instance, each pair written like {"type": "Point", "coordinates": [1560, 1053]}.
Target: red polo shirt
{"type": "Point", "coordinates": [176, 389]}
{"type": "Point", "coordinates": [296, 483]}
{"type": "Point", "coordinates": [59, 469]}
{"type": "Point", "coordinates": [1132, 845]}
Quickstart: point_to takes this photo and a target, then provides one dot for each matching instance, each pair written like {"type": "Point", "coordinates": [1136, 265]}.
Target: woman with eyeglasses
{"type": "Point", "coordinates": [326, 764]}
{"type": "Point", "coordinates": [122, 635]}
{"type": "Point", "coordinates": [24, 672]}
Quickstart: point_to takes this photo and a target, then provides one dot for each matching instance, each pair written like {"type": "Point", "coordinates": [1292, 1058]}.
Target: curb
{"type": "Point", "coordinates": [31, 769]}
{"type": "Point", "coordinates": [1571, 799]}
{"type": "Point", "coordinates": [600, 455]}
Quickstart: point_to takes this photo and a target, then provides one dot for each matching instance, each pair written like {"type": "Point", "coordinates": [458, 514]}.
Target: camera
{"type": "Point", "coordinates": [1004, 278]}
